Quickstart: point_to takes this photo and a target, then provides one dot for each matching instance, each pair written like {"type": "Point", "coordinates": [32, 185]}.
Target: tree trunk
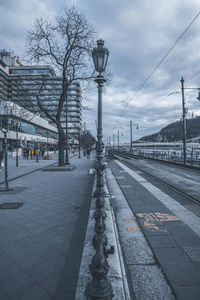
{"type": "Point", "coordinates": [61, 146]}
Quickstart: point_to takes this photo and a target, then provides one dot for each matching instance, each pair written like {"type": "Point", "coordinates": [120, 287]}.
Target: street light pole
{"type": "Point", "coordinates": [6, 159]}
{"type": "Point", "coordinates": [113, 140]}
{"type": "Point", "coordinates": [99, 288]}
{"type": "Point", "coordinates": [66, 134]}
{"type": "Point", "coordinates": [79, 143]}
{"type": "Point", "coordinates": [131, 135]}
{"type": "Point", "coordinates": [17, 157]}
{"type": "Point", "coordinates": [184, 121]}
{"type": "Point", "coordinates": [118, 140]}
{"type": "Point", "coordinates": [109, 141]}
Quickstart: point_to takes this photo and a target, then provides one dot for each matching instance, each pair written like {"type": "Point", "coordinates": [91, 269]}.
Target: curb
{"type": "Point", "coordinates": [62, 169]}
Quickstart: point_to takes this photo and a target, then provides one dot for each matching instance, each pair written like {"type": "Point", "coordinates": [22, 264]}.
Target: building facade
{"type": "Point", "coordinates": [24, 129]}
{"type": "Point", "coordinates": [24, 84]}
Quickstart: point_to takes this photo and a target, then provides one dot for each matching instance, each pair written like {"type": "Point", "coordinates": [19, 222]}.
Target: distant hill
{"type": "Point", "coordinates": [174, 131]}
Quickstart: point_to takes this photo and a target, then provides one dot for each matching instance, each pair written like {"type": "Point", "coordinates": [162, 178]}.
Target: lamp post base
{"type": "Point", "coordinates": [99, 290]}
{"type": "Point", "coordinates": [99, 194]}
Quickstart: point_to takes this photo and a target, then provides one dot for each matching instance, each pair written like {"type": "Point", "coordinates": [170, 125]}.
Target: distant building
{"type": "Point", "coordinates": [22, 84]}
{"type": "Point", "coordinates": [25, 129]}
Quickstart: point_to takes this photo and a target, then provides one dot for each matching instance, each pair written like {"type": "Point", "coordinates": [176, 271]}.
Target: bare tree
{"type": "Point", "coordinates": [65, 44]}
{"type": "Point", "coordinates": [87, 140]}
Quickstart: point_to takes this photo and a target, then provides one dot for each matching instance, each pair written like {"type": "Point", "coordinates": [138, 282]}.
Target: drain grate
{"type": "Point", "coordinates": [10, 205]}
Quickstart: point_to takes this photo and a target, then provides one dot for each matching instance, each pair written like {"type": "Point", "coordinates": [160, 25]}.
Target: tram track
{"type": "Point", "coordinates": [175, 189]}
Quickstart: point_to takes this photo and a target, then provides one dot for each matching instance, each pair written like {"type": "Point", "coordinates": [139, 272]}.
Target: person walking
{"type": "Point", "coordinates": [31, 153]}
{"type": "Point", "coordinates": [37, 154]}
{"type": "Point", "coordinates": [42, 153]}
{"type": "Point", "coordinates": [88, 153]}
{"type": "Point", "coordinates": [27, 153]}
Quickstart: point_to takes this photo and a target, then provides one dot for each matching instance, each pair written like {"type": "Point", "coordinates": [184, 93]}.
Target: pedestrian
{"type": "Point", "coordinates": [88, 153]}
{"type": "Point", "coordinates": [31, 153]}
{"type": "Point", "coordinates": [24, 152]}
{"type": "Point", "coordinates": [42, 153]}
{"type": "Point", "coordinates": [37, 154]}
{"type": "Point", "coordinates": [74, 152]}
{"type": "Point", "coordinates": [27, 153]}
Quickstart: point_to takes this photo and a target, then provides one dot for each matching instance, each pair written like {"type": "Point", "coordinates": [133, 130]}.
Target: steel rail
{"type": "Point", "coordinates": [161, 181]}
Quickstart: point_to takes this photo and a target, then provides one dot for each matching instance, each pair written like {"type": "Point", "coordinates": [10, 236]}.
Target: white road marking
{"type": "Point", "coordinates": [179, 210]}
{"type": "Point", "coordinates": [126, 186]}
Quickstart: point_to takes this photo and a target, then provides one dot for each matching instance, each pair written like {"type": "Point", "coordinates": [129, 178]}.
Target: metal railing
{"type": "Point", "coordinates": [170, 155]}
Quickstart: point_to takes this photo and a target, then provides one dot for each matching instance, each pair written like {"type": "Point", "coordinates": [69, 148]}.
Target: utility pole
{"type": "Point", "coordinates": [184, 121]}
{"type": "Point", "coordinates": [118, 139]}
{"type": "Point", "coordinates": [131, 136]}
{"type": "Point", "coordinates": [6, 159]}
{"type": "Point", "coordinates": [79, 143]}
{"type": "Point", "coordinates": [17, 157]}
{"type": "Point", "coordinates": [113, 139]}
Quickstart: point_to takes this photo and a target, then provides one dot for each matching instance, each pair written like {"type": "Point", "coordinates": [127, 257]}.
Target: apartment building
{"type": "Point", "coordinates": [23, 84]}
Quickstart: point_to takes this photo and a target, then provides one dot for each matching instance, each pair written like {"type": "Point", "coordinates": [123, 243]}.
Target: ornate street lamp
{"type": "Point", "coordinates": [100, 57]}
{"type": "Point", "coordinates": [99, 287]}
{"type": "Point", "coordinates": [131, 134]}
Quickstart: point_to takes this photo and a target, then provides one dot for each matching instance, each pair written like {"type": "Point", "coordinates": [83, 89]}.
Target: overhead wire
{"type": "Point", "coordinates": [159, 63]}
{"type": "Point", "coordinates": [171, 93]}
{"type": "Point", "coordinates": [156, 67]}
{"type": "Point", "coordinates": [194, 75]}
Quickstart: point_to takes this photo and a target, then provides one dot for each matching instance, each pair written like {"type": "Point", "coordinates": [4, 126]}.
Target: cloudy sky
{"type": "Point", "coordinates": [138, 35]}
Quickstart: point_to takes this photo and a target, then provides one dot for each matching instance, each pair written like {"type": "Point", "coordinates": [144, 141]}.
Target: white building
{"type": "Point", "coordinates": [21, 85]}
{"type": "Point", "coordinates": [25, 129]}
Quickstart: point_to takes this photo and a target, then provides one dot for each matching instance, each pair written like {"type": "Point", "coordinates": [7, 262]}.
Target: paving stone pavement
{"type": "Point", "coordinates": [41, 242]}
{"type": "Point", "coordinates": [25, 166]}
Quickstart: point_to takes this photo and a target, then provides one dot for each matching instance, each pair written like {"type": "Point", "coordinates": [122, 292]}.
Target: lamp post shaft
{"type": "Point", "coordinates": [99, 128]}
{"type": "Point", "coordinates": [6, 159]}
{"type": "Point", "coordinates": [184, 121]}
{"type": "Point", "coordinates": [118, 139]}
{"type": "Point", "coordinates": [99, 145]}
{"type": "Point", "coordinates": [131, 135]}
{"type": "Point", "coordinates": [79, 144]}
{"type": "Point", "coordinates": [17, 158]}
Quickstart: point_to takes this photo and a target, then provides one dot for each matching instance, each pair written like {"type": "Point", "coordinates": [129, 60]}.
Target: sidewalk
{"type": "Point", "coordinates": [41, 242]}
{"type": "Point", "coordinates": [25, 166]}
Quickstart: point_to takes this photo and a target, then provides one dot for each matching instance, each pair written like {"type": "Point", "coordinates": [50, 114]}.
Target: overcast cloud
{"type": "Point", "coordinates": [138, 34]}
